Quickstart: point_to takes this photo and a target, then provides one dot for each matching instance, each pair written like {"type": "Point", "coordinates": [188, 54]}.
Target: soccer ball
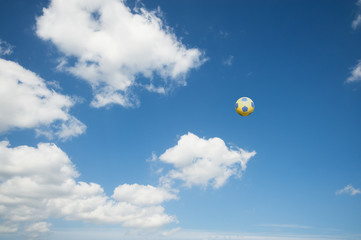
{"type": "Point", "coordinates": [244, 106]}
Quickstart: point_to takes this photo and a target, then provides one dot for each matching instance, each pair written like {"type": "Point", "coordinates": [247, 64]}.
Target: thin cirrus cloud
{"type": "Point", "coordinates": [349, 189]}
{"type": "Point", "coordinates": [111, 46]}
{"type": "Point", "coordinates": [203, 162]}
{"type": "Point", "coordinates": [38, 183]}
{"type": "Point", "coordinates": [291, 226]}
{"type": "Point", "coordinates": [228, 61]}
{"type": "Point", "coordinates": [357, 21]}
{"type": "Point", "coordinates": [5, 48]}
{"type": "Point", "coordinates": [356, 70]}
{"type": "Point", "coordinates": [355, 74]}
{"type": "Point", "coordinates": [27, 102]}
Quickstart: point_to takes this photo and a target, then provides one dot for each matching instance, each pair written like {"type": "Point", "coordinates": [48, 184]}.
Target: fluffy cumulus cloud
{"type": "Point", "coordinates": [112, 46]}
{"type": "Point", "coordinates": [142, 195]}
{"type": "Point", "coordinates": [203, 162]}
{"type": "Point", "coordinates": [355, 74]}
{"type": "Point", "coordinates": [27, 102]}
{"type": "Point", "coordinates": [38, 183]}
{"type": "Point", "coordinates": [349, 189]}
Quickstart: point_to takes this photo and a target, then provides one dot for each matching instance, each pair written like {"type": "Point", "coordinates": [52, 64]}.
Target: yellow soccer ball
{"type": "Point", "coordinates": [244, 106]}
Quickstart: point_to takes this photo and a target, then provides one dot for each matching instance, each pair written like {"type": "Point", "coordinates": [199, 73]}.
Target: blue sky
{"type": "Point", "coordinates": [117, 119]}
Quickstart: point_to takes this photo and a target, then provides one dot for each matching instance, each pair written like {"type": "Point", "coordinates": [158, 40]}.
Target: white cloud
{"type": "Point", "coordinates": [114, 45]}
{"type": "Point", "coordinates": [355, 74]}
{"type": "Point", "coordinates": [294, 226]}
{"type": "Point", "coordinates": [171, 232]}
{"type": "Point", "coordinates": [356, 71]}
{"type": "Point", "coordinates": [40, 227]}
{"type": "Point", "coordinates": [26, 102]}
{"type": "Point", "coordinates": [8, 228]}
{"type": "Point", "coordinates": [40, 183]}
{"type": "Point", "coordinates": [203, 162]}
{"type": "Point", "coordinates": [228, 61]}
{"type": "Point", "coordinates": [349, 189]}
{"type": "Point", "coordinates": [5, 48]}
{"type": "Point", "coordinates": [191, 234]}
{"type": "Point", "coordinates": [357, 21]}
{"type": "Point", "coordinates": [142, 195]}
{"type": "Point", "coordinates": [223, 33]}
{"type": "Point", "coordinates": [71, 127]}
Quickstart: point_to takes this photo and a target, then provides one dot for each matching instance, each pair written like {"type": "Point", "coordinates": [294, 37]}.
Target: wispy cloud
{"type": "Point", "coordinates": [113, 44]}
{"type": "Point", "coordinates": [349, 189]}
{"type": "Point", "coordinates": [356, 70]}
{"type": "Point", "coordinates": [171, 232]}
{"type": "Point", "coordinates": [357, 21]}
{"type": "Point", "coordinates": [355, 74]}
{"type": "Point", "coordinates": [187, 234]}
{"type": "Point", "coordinates": [5, 48]}
{"type": "Point", "coordinates": [223, 33]}
{"type": "Point", "coordinates": [290, 226]}
{"type": "Point", "coordinates": [228, 61]}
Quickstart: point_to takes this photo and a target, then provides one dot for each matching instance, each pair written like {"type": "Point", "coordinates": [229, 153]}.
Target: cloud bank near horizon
{"type": "Point", "coordinates": [38, 183]}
